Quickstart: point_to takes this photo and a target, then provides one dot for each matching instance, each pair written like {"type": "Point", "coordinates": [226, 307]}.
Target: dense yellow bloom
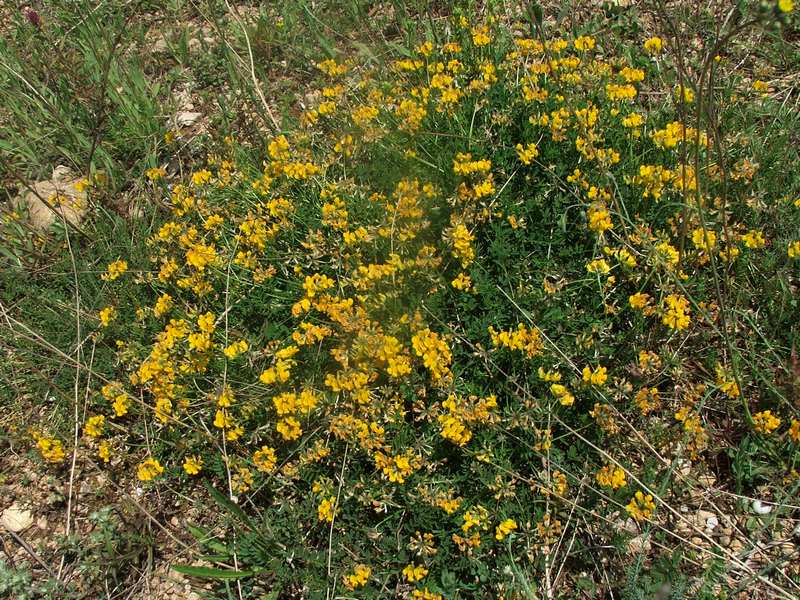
{"type": "Point", "coordinates": [163, 305]}
{"type": "Point", "coordinates": [358, 578]}
{"type": "Point", "coordinates": [265, 459]}
{"type": "Point", "coordinates": [654, 45]}
{"type": "Point", "coordinates": [505, 528]}
{"type": "Point", "coordinates": [583, 43]}
{"type": "Point", "coordinates": [201, 177]}
{"type": "Point", "coordinates": [754, 239]}
{"type": "Point", "coordinates": [676, 312]}
{"type": "Point", "coordinates": [704, 240]}
{"type": "Point", "coordinates": [521, 338]}
{"type": "Point", "coordinates": [786, 6]}
{"type": "Point", "coordinates": [106, 315]}
{"type": "Point", "coordinates": [94, 426]}
{"type": "Point", "coordinates": [794, 431]}
{"type": "Point", "coordinates": [639, 300]}
{"type": "Point", "coordinates": [155, 173]}
{"type": "Point", "coordinates": [794, 249]}
{"type": "Point", "coordinates": [115, 270]}
{"type": "Point", "coordinates": [641, 506]}
{"type": "Point", "coordinates": [765, 422]}
{"type": "Point", "coordinates": [527, 153]}
{"type": "Point", "coordinates": [565, 397]}
{"type": "Point", "coordinates": [149, 469]}
{"type": "Point", "coordinates": [201, 255]}
{"type": "Point", "coordinates": [414, 572]}
{"type": "Point", "coordinates": [480, 36]}
{"type": "Point", "coordinates": [463, 282]}
{"type": "Point", "coordinates": [289, 428]}
{"type": "Point", "coordinates": [425, 594]}
{"type": "Point", "coordinates": [193, 464]}
{"type": "Point", "coordinates": [326, 510]}
{"type": "Point", "coordinates": [235, 349]}
{"type": "Point", "coordinates": [597, 377]}
{"type": "Point", "coordinates": [104, 451]}
{"type": "Point", "coordinates": [435, 353]}
{"type": "Point", "coordinates": [599, 266]}
{"type": "Point", "coordinates": [612, 477]}
{"type": "Point", "coordinates": [51, 449]}
{"type": "Point", "coordinates": [599, 218]}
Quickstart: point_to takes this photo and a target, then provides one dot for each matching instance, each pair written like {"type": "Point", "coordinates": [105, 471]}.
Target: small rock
{"type": "Point", "coordinates": [706, 480]}
{"type": "Point", "coordinates": [712, 523]}
{"type": "Point", "coordinates": [186, 118]}
{"type": "Point", "coordinates": [760, 508]}
{"type": "Point", "coordinates": [16, 519]}
{"type": "Point", "coordinates": [697, 541]}
{"type": "Point", "coordinates": [63, 192]}
{"type": "Point", "coordinates": [724, 541]}
{"type": "Point", "coordinates": [638, 544]}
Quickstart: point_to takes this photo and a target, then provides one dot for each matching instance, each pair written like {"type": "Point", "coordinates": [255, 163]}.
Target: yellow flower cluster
{"type": "Point", "coordinates": [522, 338]}
{"type": "Point", "coordinates": [641, 506]}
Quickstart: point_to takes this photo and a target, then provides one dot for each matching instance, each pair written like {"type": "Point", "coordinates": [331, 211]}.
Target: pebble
{"type": "Point", "coordinates": [16, 518]}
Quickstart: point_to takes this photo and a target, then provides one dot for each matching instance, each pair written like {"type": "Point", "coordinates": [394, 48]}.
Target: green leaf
{"type": "Point", "coordinates": [226, 503]}
{"type": "Point", "coordinates": [211, 572]}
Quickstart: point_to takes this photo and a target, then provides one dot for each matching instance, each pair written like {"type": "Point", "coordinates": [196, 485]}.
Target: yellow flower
{"type": "Point", "coordinates": [654, 45]}
{"type": "Point", "coordinates": [358, 578]}
{"type": "Point", "coordinates": [193, 464]}
{"type": "Point", "coordinates": [51, 449]}
{"type": "Point", "coordinates": [104, 451]}
{"type": "Point", "coordinates": [265, 459]}
{"type": "Point", "coordinates": [794, 249]}
{"type": "Point", "coordinates": [597, 377]}
{"type": "Point", "coordinates": [463, 282]}
{"type": "Point", "coordinates": [754, 239]}
{"type": "Point", "coordinates": [765, 422]}
{"type": "Point", "coordinates": [527, 153]}
{"type": "Point", "coordinates": [584, 43]}
{"type": "Point", "coordinates": [414, 572]}
{"type": "Point", "coordinates": [599, 266]}
{"type": "Point", "coordinates": [684, 94]}
{"type": "Point", "coordinates": [676, 314]}
{"type": "Point", "coordinates": [641, 506]}
{"type": "Point", "coordinates": [235, 349]}
{"type": "Point", "coordinates": [94, 426]}
{"type": "Point", "coordinates": [155, 173]}
{"type": "Point", "coordinates": [201, 177]}
{"type": "Point", "coordinates": [163, 305]}
{"type": "Point", "coordinates": [325, 510]}
{"type": "Point", "coordinates": [289, 428]}
{"type": "Point", "coordinates": [106, 315]}
{"type": "Point", "coordinates": [480, 36]}
{"type": "Point", "coordinates": [704, 239]}
{"type": "Point", "coordinates": [786, 6]}
{"type": "Point", "coordinates": [726, 382]}
{"type": "Point", "coordinates": [115, 270]}
{"type": "Point", "coordinates": [794, 431]}
{"type": "Point", "coordinates": [612, 477]}
{"type": "Point", "coordinates": [639, 300]}
{"type": "Point", "coordinates": [425, 594]}
{"type": "Point", "coordinates": [149, 469]}
{"type": "Point", "coordinates": [504, 528]}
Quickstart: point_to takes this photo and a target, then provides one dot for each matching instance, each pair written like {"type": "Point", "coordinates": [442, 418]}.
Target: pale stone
{"type": "Point", "coordinates": [16, 519]}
